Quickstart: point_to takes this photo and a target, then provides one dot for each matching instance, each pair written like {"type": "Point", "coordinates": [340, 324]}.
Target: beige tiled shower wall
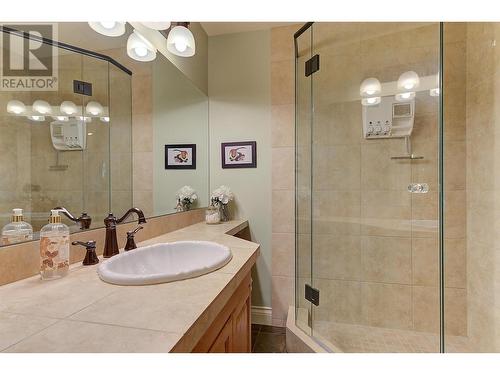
{"type": "Point", "coordinates": [283, 159]}
{"type": "Point", "coordinates": [142, 130]}
{"type": "Point", "coordinates": [375, 256]}
{"type": "Point", "coordinates": [483, 184]}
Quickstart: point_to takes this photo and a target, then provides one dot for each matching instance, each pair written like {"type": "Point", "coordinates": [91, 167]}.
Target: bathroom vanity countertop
{"type": "Point", "coordinates": [81, 313]}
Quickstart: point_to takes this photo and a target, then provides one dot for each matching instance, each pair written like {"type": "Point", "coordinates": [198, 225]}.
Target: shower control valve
{"type": "Point", "coordinates": [418, 188]}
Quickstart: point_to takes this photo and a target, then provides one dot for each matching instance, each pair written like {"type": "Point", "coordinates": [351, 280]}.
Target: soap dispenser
{"type": "Point", "coordinates": [54, 248]}
{"type": "Point", "coordinates": [18, 230]}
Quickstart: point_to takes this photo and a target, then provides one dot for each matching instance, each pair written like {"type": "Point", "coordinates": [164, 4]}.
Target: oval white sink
{"type": "Point", "coordinates": [164, 262]}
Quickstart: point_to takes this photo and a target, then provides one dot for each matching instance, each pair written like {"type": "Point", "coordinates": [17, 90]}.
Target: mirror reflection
{"type": "Point", "coordinates": [139, 137]}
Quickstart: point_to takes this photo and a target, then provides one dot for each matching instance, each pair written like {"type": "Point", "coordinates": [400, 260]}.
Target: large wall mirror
{"type": "Point", "coordinates": [80, 151]}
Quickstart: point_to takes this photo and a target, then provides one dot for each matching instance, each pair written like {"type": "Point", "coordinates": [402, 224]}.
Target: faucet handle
{"type": "Point", "coordinates": [91, 256]}
{"type": "Point", "coordinates": [130, 245]}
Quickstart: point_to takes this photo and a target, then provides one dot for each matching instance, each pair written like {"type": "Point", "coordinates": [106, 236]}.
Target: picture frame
{"type": "Point", "coordinates": [239, 154]}
{"type": "Point", "coordinates": [180, 156]}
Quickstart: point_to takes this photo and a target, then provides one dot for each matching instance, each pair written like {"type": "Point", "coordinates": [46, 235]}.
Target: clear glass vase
{"type": "Point", "coordinates": [224, 212]}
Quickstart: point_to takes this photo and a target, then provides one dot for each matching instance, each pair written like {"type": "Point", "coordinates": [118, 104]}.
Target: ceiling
{"type": "Point", "coordinates": [219, 28]}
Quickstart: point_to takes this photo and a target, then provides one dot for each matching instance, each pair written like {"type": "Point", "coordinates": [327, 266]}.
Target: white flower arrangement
{"type": "Point", "coordinates": [186, 195]}
{"type": "Point", "coordinates": [222, 194]}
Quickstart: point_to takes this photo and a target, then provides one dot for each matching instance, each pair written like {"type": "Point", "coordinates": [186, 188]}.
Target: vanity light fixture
{"type": "Point", "coordinates": [61, 118]}
{"type": "Point", "coordinates": [68, 107]}
{"type": "Point", "coordinates": [405, 96]}
{"type": "Point", "coordinates": [16, 107]}
{"type": "Point", "coordinates": [84, 118]}
{"type": "Point", "coordinates": [371, 101]}
{"type": "Point", "coordinates": [157, 25]}
{"type": "Point", "coordinates": [408, 81]}
{"type": "Point", "coordinates": [36, 118]}
{"type": "Point", "coordinates": [42, 107]}
{"type": "Point", "coordinates": [139, 48]}
{"type": "Point", "coordinates": [108, 28]}
{"type": "Point", "coordinates": [94, 108]}
{"type": "Point", "coordinates": [434, 92]}
{"type": "Point", "coordinates": [180, 40]}
{"type": "Point", "coordinates": [370, 87]}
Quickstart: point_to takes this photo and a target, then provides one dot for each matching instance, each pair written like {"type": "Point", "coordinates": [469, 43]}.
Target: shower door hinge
{"type": "Point", "coordinates": [312, 65]}
{"type": "Point", "coordinates": [81, 87]}
{"type": "Point", "coordinates": [312, 295]}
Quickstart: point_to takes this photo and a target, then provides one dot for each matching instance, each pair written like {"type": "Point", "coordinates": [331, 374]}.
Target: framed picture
{"type": "Point", "coordinates": [180, 156]}
{"type": "Point", "coordinates": [239, 154]}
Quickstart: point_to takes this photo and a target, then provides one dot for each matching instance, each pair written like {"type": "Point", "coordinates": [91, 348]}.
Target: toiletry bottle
{"type": "Point", "coordinates": [54, 248]}
{"type": "Point", "coordinates": [18, 230]}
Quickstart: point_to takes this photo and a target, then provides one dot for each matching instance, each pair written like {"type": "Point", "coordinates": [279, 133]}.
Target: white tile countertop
{"type": "Point", "coordinates": [81, 313]}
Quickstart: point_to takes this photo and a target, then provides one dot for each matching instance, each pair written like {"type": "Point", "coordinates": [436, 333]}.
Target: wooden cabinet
{"type": "Point", "coordinates": [231, 330]}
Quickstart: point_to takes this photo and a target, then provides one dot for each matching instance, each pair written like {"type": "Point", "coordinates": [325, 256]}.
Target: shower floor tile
{"type": "Point", "coordinates": [351, 338]}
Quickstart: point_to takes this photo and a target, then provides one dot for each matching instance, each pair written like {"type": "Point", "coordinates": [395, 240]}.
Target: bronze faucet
{"type": "Point", "coordinates": [90, 257]}
{"type": "Point", "coordinates": [84, 220]}
{"type": "Point", "coordinates": [111, 244]}
{"type": "Point", "coordinates": [130, 245]}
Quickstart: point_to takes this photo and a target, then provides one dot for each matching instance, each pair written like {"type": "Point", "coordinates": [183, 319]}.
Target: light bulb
{"type": "Point", "coordinates": [405, 96]}
{"type": "Point", "coordinates": [408, 81]}
{"type": "Point", "coordinates": [16, 107]}
{"type": "Point", "coordinates": [68, 107]}
{"type": "Point", "coordinates": [181, 45]}
{"type": "Point", "coordinates": [108, 24]}
{"type": "Point", "coordinates": [369, 87]}
{"type": "Point", "coordinates": [180, 41]}
{"type": "Point", "coordinates": [434, 92]}
{"type": "Point", "coordinates": [84, 118]}
{"type": "Point", "coordinates": [105, 119]}
{"type": "Point", "coordinates": [36, 118]}
{"type": "Point", "coordinates": [94, 108]}
{"type": "Point", "coordinates": [139, 48]}
{"type": "Point", "coordinates": [371, 101]}
{"type": "Point", "coordinates": [61, 118]}
{"type": "Point", "coordinates": [42, 107]}
{"type": "Point", "coordinates": [141, 51]}
{"type": "Point", "coordinates": [157, 25]}
{"type": "Point", "coordinates": [108, 28]}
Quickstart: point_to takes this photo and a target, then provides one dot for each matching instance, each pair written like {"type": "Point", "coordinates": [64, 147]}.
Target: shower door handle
{"type": "Point", "coordinates": [418, 188]}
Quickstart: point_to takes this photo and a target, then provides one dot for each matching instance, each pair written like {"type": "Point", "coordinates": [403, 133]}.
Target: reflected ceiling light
{"type": "Point", "coordinates": [42, 107]}
{"type": "Point", "coordinates": [68, 108]}
{"type": "Point", "coordinates": [180, 41]}
{"type": "Point", "coordinates": [16, 107]}
{"type": "Point", "coordinates": [139, 48]}
{"type": "Point", "coordinates": [90, 133]}
{"type": "Point", "coordinates": [36, 118]}
{"type": "Point", "coordinates": [94, 108]}
{"type": "Point", "coordinates": [371, 101]}
{"type": "Point", "coordinates": [434, 92]}
{"type": "Point", "coordinates": [61, 118]}
{"type": "Point", "coordinates": [405, 96]}
{"type": "Point", "coordinates": [157, 25]}
{"type": "Point", "coordinates": [369, 87]}
{"type": "Point", "coordinates": [108, 28]}
{"type": "Point", "coordinates": [105, 119]}
{"type": "Point", "coordinates": [408, 81]}
{"type": "Point", "coordinates": [84, 118]}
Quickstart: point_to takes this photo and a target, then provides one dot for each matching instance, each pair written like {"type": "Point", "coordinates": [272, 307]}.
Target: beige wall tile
{"type": "Point", "coordinates": [386, 259]}
{"type": "Point", "coordinates": [283, 211]}
{"type": "Point", "coordinates": [283, 125]}
{"type": "Point", "coordinates": [386, 305]}
{"type": "Point", "coordinates": [282, 82]}
{"type": "Point", "coordinates": [337, 257]}
{"type": "Point", "coordinates": [426, 309]}
{"type": "Point", "coordinates": [340, 301]}
{"type": "Point", "coordinates": [283, 256]}
{"type": "Point", "coordinates": [283, 167]}
{"type": "Point", "coordinates": [282, 296]}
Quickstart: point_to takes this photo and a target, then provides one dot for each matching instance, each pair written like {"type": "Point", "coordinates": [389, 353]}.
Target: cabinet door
{"type": "Point", "coordinates": [242, 329]}
{"type": "Point", "coordinates": [224, 341]}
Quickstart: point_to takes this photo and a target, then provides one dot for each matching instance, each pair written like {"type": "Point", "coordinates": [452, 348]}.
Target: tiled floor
{"type": "Point", "coordinates": [268, 339]}
{"type": "Point", "coordinates": [353, 338]}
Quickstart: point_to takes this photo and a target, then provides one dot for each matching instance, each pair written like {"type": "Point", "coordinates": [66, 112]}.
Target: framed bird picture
{"type": "Point", "coordinates": [180, 156]}
{"type": "Point", "coordinates": [239, 154]}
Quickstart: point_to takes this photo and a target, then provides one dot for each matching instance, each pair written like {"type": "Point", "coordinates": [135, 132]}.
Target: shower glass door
{"type": "Point", "coordinates": [374, 187]}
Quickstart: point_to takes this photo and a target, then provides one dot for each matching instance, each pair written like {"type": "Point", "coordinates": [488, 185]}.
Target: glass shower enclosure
{"type": "Point", "coordinates": [371, 230]}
